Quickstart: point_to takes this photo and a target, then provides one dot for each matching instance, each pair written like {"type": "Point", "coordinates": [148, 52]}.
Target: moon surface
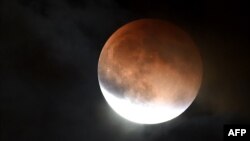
{"type": "Point", "coordinates": [149, 71]}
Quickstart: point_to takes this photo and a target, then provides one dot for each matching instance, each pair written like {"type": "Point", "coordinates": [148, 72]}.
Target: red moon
{"type": "Point", "coordinates": [149, 71]}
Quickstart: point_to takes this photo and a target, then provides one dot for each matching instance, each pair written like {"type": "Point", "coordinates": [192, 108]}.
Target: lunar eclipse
{"type": "Point", "coordinates": [123, 70]}
{"type": "Point", "coordinates": [149, 71]}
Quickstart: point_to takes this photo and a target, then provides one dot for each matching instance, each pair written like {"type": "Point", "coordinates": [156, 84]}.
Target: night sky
{"type": "Point", "coordinates": [49, 51]}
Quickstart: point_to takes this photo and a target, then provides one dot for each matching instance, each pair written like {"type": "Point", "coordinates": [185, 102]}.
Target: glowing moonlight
{"type": "Point", "coordinates": [149, 71]}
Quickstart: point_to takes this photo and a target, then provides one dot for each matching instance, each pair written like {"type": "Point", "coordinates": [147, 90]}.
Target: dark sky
{"type": "Point", "coordinates": [49, 52]}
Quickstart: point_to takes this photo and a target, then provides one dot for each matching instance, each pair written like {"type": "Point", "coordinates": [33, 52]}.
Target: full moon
{"type": "Point", "coordinates": [149, 71]}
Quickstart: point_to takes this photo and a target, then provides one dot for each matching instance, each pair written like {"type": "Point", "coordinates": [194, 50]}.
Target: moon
{"type": "Point", "coordinates": [149, 71]}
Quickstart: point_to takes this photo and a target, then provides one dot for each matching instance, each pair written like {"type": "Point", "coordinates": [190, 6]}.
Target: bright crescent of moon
{"type": "Point", "coordinates": [141, 113]}
{"type": "Point", "coordinates": [149, 71]}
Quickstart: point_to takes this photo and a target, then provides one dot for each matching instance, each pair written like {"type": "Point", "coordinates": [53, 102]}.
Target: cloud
{"type": "Point", "coordinates": [49, 89]}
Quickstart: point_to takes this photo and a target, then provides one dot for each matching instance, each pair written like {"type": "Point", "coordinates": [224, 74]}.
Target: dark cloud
{"type": "Point", "coordinates": [48, 68]}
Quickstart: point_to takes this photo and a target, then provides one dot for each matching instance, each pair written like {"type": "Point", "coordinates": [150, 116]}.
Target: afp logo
{"type": "Point", "coordinates": [236, 132]}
